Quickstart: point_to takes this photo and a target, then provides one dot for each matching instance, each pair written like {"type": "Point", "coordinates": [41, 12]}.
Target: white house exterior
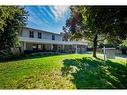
{"type": "Point", "coordinates": [39, 40]}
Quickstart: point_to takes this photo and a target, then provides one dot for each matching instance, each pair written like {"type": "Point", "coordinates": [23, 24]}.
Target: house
{"type": "Point", "coordinates": [39, 40]}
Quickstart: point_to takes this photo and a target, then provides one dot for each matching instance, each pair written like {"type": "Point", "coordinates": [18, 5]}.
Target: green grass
{"type": "Point", "coordinates": [71, 71]}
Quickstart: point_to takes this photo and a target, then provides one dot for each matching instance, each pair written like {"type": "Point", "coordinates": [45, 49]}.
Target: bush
{"type": "Point", "coordinates": [5, 54]}
{"type": "Point", "coordinates": [28, 51]}
{"type": "Point", "coordinates": [45, 53]}
{"type": "Point", "coordinates": [123, 47]}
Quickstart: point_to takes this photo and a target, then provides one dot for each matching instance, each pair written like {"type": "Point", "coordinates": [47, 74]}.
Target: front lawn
{"type": "Point", "coordinates": [71, 71]}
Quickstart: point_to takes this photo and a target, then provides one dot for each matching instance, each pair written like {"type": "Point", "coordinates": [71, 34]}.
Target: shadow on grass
{"type": "Point", "coordinates": [88, 73]}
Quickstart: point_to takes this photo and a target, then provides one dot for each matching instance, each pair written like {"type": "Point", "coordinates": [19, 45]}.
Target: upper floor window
{"type": "Point", "coordinates": [53, 37]}
{"type": "Point", "coordinates": [39, 35]}
{"type": "Point", "coordinates": [31, 34]}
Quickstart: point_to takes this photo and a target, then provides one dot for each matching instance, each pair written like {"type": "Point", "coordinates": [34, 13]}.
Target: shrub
{"type": "Point", "coordinates": [5, 54]}
{"type": "Point", "coordinates": [123, 47]}
{"type": "Point", "coordinates": [45, 53]}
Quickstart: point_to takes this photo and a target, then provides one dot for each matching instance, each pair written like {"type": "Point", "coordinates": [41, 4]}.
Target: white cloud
{"type": "Point", "coordinates": [56, 13]}
{"type": "Point", "coordinates": [44, 11]}
{"type": "Point", "coordinates": [35, 16]}
{"type": "Point", "coordinates": [59, 11]}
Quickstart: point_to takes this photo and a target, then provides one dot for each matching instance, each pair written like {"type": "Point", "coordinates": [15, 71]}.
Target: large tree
{"type": "Point", "coordinates": [12, 18]}
{"type": "Point", "coordinates": [97, 23]}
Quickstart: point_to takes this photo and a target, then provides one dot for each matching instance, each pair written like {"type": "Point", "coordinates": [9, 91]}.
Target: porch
{"type": "Point", "coordinates": [43, 47]}
{"type": "Point", "coordinates": [33, 44]}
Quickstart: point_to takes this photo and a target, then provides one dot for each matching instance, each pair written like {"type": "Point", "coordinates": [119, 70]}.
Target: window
{"type": "Point", "coordinates": [31, 34]}
{"type": "Point", "coordinates": [53, 37]}
{"type": "Point", "coordinates": [39, 35]}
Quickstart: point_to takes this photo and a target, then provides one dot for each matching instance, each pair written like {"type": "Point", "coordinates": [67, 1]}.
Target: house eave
{"type": "Point", "coordinates": [45, 41]}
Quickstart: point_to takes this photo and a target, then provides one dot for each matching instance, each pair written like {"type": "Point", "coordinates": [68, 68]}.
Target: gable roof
{"type": "Point", "coordinates": [40, 30]}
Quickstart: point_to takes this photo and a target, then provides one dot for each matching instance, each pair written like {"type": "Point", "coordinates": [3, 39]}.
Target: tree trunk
{"type": "Point", "coordinates": [95, 45]}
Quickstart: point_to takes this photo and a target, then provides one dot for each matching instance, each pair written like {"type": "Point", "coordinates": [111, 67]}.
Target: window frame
{"type": "Point", "coordinates": [39, 35]}
{"type": "Point", "coordinates": [31, 34]}
{"type": "Point", "coordinates": [53, 37]}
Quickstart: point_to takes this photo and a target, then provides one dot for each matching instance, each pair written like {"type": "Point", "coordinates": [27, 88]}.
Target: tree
{"type": "Point", "coordinates": [97, 23]}
{"type": "Point", "coordinates": [12, 18]}
{"type": "Point", "coordinates": [123, 47]}
{"type": "Point", "coordinates": [65, 34]}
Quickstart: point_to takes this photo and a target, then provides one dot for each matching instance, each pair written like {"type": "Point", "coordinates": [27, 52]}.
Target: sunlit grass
{"type": "Point", "coordinates": [48, 73]}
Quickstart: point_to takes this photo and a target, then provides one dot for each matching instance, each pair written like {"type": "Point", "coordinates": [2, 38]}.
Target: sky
{"type": "Point", "coordinates": [48, 18]}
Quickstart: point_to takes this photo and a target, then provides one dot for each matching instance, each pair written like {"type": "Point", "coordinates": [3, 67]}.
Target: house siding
{"type": "Point", "coordinates": [46, 43]}
{"type": "Point", "coordinates": [45, 35]}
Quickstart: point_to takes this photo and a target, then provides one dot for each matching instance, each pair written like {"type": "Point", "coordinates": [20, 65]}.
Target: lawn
{"type": "Point", "coordinates": [70, 71]}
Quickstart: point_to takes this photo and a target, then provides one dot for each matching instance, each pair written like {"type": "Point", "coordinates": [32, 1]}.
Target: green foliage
{"type": "Point", "coordinates": [123, 47]}
{"type": "Point", "coordinates": [12, 18]}
{"type": "Point", "coordinates": [97, 23]}
{"type": "Point", "coordinates": [124, 43]}
{"type": "Point", "coordinates": [4, 54]}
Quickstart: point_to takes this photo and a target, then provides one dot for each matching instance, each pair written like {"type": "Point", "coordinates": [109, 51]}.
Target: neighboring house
{"type": "Point", "coordinates": [39, 40]}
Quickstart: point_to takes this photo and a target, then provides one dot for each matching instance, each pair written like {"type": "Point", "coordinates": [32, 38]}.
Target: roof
{"type": "Point", "coordinates": [41, 30]}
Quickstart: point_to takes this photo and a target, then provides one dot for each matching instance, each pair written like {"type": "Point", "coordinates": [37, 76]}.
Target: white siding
{"type": "Point", "coordinates": [35, 34]}
{"type": "Point", "coordinates": [45, 35]}
{"type": "Point", "coordinates": [25, 33]}
{"type": "Point", "coordinates": [58, 38]}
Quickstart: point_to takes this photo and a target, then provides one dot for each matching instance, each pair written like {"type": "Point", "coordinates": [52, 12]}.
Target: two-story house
{"type": "Point", "coordinates": [39, 40]}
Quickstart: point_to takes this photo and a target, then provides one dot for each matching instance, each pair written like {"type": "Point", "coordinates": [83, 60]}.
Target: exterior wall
{"type": "Point", "coordinates": [24, 33]}
{"type": "Point", "coordinates": [47, 43]}
{"type": "Point", "coordinates": [45, 35]}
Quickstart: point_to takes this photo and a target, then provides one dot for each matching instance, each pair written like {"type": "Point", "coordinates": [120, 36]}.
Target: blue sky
{"type": "Point", "coordinates": [49, 18]}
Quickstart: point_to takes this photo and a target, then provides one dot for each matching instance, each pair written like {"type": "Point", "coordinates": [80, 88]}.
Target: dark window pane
{"type": "Point", "coordinates": [53, 37]}
{"type": "Point", "coordinates": [31, 34]}
{"type": "Point", "coordinates": [39, 35]}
